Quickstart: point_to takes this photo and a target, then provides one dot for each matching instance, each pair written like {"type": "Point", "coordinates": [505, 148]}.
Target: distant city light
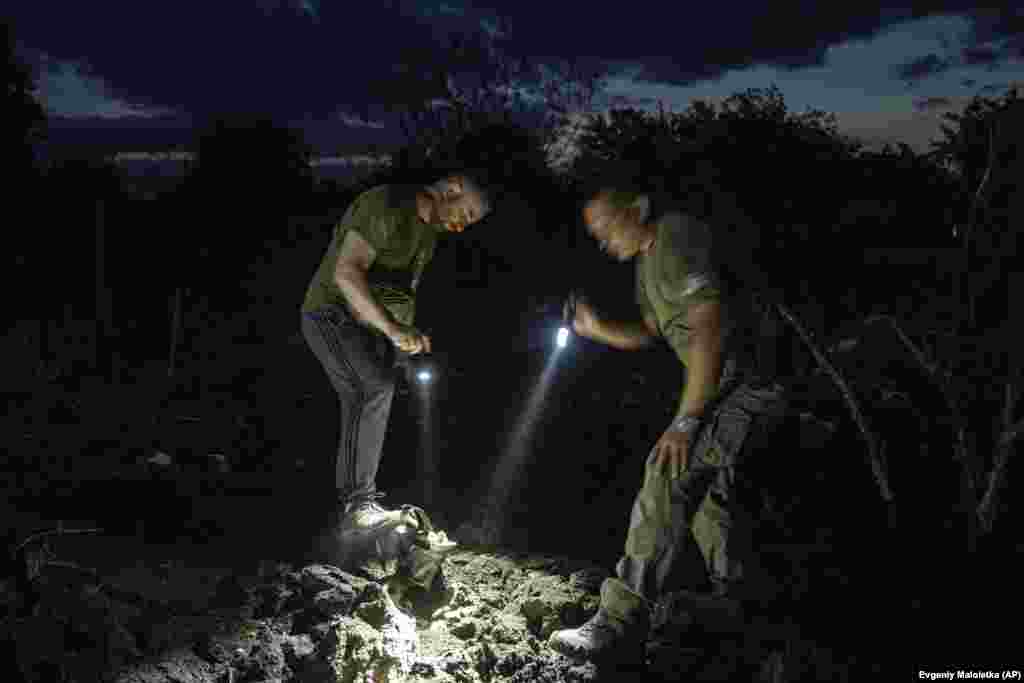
{"type": "Point", "coordinates": [423, 376]}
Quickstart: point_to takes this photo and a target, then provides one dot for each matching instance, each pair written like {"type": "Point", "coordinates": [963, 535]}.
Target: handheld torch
{"type": "Point", "coordinates": [420, 366]}
{"type": "Point", "coordinates": [568, 318]}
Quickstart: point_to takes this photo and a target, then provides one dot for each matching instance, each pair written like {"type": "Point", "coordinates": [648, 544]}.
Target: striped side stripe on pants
{"type": "Point", "coordinates": [360, 364]}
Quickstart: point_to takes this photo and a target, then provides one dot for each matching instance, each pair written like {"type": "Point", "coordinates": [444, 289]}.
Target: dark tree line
{"type": "Point", "coordinates": [795, 194]}
{"type": "Point", "coordinates": [24, 118]}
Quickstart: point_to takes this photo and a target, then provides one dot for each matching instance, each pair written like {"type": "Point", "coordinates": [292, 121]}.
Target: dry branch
{"type": "Point", "coordinates": [875, 449]}
{"type": "Point", "coordinates": [972, 224]}
{"type": "Point", "coordinates": [1012, 434]}
{"type": "Point", "coordinates": [59, 531]}
{"type": "Point", "coordinates": [962, 450]}
{"type": "Point", "coordinates": [175, 331]}
{"type": "Point", "coordinates": [1004, 448]}
{"type": "Point", "coordinates": [985, 178]}
{"type": "Point", "coordinates": [985, 510]}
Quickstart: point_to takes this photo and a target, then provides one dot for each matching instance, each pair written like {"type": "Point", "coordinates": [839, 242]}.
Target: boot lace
{"type": "Point", "coordinates": [367, 506]}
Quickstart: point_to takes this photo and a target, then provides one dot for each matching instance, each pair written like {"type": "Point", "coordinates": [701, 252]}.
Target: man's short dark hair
{"type": "Point", "coordinates": [619, 200]}
{"type": "Point", "coordinates": [476, 180]}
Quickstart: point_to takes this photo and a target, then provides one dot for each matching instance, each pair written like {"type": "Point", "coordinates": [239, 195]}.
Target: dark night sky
{"type": "Point", "coordinates": [136, 70]}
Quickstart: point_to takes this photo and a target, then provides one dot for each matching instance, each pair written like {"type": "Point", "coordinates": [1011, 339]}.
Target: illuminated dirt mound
{"type": "Point", "coordinates": [317, 623]}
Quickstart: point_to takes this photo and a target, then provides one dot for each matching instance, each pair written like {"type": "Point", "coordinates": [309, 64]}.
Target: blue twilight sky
{"type": "Point", "coordinates": [130, 74]}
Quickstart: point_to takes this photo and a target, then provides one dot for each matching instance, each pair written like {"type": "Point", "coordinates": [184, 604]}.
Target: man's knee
{"type": "Point", "coordinates": [380, 393]}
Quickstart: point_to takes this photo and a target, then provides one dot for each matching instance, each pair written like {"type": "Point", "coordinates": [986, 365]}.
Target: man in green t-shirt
{"type": "Point", "coordinates": [689, 299]}
{"type": "Point", "coordinates": [359, 308]}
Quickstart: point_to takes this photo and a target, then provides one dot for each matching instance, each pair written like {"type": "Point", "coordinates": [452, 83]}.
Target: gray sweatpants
{"type": "Point", "coordinates": [362, 366]}
{"type": "Point", "coordinates": [670, 515]}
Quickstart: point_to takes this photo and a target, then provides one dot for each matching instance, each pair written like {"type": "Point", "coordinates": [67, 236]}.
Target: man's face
{"type": "Point", "coordinates": [619, 233]}
{"type": "Point", "coordinates": [460, 208]}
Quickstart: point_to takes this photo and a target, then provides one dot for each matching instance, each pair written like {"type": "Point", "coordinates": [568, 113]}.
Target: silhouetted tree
{"type": "Point", "coordinates": [481, 107]}
{"type": "Point", "coordinates": [787, 188]}
{"type": "Point", "coordinates": [984, 145]}
{"type": "Point", "coordinates": [764, 175]}
{"type": "Point", "coordinates": [23, 125]}
{"type": "Point", "coordinates": [248, 173]}
{"type": "Point", "coordinates": [479, 83]}
{"type": "Point", "coordinates": [510, 152]}
{"type": "Point", "coordinates": [251, 156]}
{"type": "Point", "coordinates": [68, 232]}
{"type": "Point", "coordinates": [83, 174]}
{"type": "Point", "coordinates": [23, 116]}
{"type": "Point", "coordinates": [889, 186]}
{"type": "Point", "coordinates": [967, 137]}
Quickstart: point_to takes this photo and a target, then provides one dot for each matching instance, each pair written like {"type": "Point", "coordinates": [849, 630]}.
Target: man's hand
{"type": "Point", "coordinates": [585, 322]}
{"type": "Point", "coordinates": [670, 454]}
{"type": "Point", "coordinates": [622, 335]}
{"type": "Point", "coordinates": [410, 340]}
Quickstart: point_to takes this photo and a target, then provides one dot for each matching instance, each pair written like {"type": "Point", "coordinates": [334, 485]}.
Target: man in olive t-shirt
{"type": "Point", "coordinates": [360, 306]}
{"type": "Point", "coordinates": [688, 298]}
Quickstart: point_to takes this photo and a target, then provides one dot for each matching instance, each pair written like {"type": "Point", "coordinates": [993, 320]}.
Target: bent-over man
{"type": "Point", "coordinates": [359, 308]}
{"type": "Point", "coordinates": [690, 481]}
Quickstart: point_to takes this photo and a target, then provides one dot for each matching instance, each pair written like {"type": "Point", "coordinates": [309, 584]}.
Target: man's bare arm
{"type": "Point", "coordinates": [651, 323]}
{"type": "Point", "coordinates": [625, 335]}
{"type": "Point", "coordinates": [354, 260]}
{"type": "Point", "coordinates": [704, 368]}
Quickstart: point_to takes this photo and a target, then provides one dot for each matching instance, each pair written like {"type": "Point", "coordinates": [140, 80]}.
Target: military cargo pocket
{"type": "Point", "coordinates": [726, 435]}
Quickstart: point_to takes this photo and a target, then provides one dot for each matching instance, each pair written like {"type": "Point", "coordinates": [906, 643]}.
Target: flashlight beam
{"type": "Point", "coordinates": [517, 447]}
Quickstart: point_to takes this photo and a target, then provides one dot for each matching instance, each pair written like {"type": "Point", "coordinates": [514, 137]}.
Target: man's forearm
{"type": "Point", "coordinates": [356, 289]}
{"type": "Point", "coordinates": [627, 336]}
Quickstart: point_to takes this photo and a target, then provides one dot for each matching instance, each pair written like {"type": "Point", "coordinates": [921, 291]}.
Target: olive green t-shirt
{"type": "Point", "coordinates": [682, 269]}
{"type": "Point", "coordinates": [386, 217]}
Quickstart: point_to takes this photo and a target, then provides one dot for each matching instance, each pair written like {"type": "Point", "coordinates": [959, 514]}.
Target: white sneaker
{"type": "Point", "coordinates": [367, 517]}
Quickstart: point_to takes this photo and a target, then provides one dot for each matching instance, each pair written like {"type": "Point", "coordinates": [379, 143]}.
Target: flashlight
{"type": "Point", "coordinates": [422, 365]}
{"type": "Point", "coordinates": [569, 309]}
{"type": "Point", "coordinates": [419, 366]}
{"type": "Point", "coordinates": [568, 317]}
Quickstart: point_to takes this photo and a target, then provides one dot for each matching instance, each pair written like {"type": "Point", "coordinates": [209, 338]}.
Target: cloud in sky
{"type": "Point", "coordinates": [989, 39]}
{"type": "Point", "coordinates": [999, 88]}
{"type": "Point", "coordinates": [307, 56]}
{"type": "Point", "coordinates": [357, 122]}
{"type": "Point", "coordinates": [310, 60]}
{"type": "Point", "coordinates": [861, 81]}
{"type": "Point", "coordinates": [981, 55]}
{"type": "Point", "coordinates": [995, 23]}
{"type": "Point", "coordinates": [64, 90]}
{"type": "Point", "coordinates": [290, 59]}
{"type": "Point", "coordinates": [922, 67]}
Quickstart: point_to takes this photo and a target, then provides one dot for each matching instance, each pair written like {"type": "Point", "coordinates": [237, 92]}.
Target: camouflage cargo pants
{"type": "Point", "coordinates": [671, 515]}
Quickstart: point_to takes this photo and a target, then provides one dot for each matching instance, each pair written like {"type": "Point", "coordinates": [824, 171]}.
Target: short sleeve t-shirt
{"type": "Point", "coordinates": [386, 217]}
{"type": "Point", "coordinates": [680, 270]}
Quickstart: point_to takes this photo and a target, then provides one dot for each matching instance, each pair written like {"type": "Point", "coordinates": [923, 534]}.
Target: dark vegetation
{"type": "Point", "coordinates": [171, 324]}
